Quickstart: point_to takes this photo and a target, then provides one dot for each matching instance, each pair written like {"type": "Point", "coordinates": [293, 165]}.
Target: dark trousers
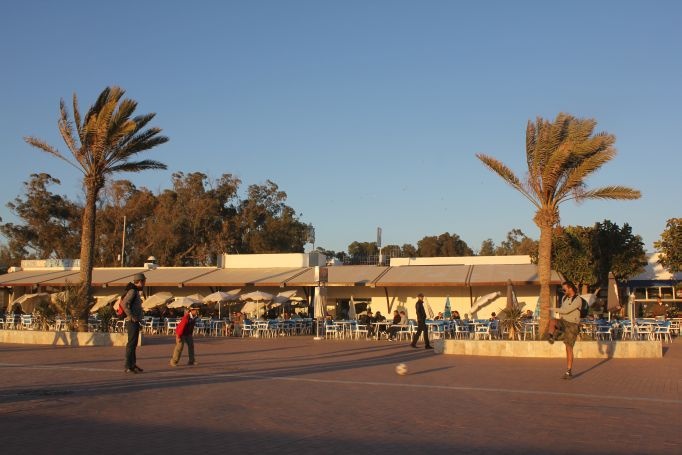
{"type": "Point", "coordinates": [133, 329]}
{"type": "Point", "coordinates": [421, 327]}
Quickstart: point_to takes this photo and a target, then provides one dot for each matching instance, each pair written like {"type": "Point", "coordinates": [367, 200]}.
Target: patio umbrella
{"type": "Point", "coordinates": [447, 311]}
{"type": "Point", "coordinates": [155, 300]}
{"type": "Point", "coordinates": [219, 297]}
{"type": "Point", "coordinates": [511, 296]}
{"type": "Point", "coordinates": [257, 297]}
{"type": "Point", "coordinates": [352, 314]}
{"type": "Point", "coordinates": [612, 297]}
{"type": "Point", "coordinates": [429, 311]}
{"type": "Point", "coordinates": [484, 300]}
{"type": "Point", "coordinates": [102, 301]}
{"type": "Point", "coordinates": [180, 302]}
{"type": "Point", "coordinates": [28, 302]}
{"type": "Point", "coordinates": [319, 303]}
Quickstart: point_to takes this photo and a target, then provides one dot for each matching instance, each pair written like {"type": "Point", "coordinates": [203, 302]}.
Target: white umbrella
{"type": "Point", "coordinates": [256, 296]}
{"type": "Point", "coordinates": [352, 314]}
{"type": "Point", "coordinates": [102, 301]}
{"type": "Point", "coordinates": [155, 300]}
{"type": "Point", "coordinates": [28, 302]}
{"type": "Point", "coordinates": [484, 300]}
{"type": "Point", "coordinates": [284, 296]}
{"type": "Point", "coordinates": [219, 297]}
{"type": "Point", "coordinates": [429, 311]}
{"type": "Point", "coordinates": [180, 302]}
{"type": "Point", "coordinates": [320, 303]}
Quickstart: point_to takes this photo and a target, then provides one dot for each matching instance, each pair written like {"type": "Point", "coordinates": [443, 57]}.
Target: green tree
{"type": "Point", "coordinates": [670, 246]}
{"type": "Point", "coordinates": [586, 255]}
{"type": "Point", "coordinates": [560, 156]}
{"type": "Point", "coordinates": [409, 250]}
{"type": "Point", "coordinates": [106, 141]}
{"type": "Point", "coordinates": [487, 248]}
{"type": "Point", "coordinates": [516, 243]}
{"type": "Point", "coordinates": [445, 245]}
{"type": "Point", "coordinates": [50, 226]}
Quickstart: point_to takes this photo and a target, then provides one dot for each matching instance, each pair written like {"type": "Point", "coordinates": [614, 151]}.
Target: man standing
{"type": "Point", "coordinates": [184, 335]}
{"type": "Point", "coordinates": [567, 323]}
{"type": "Point", "coordinates": [132, 306]}
{"type": "Point", "coordinates": [421, 324]}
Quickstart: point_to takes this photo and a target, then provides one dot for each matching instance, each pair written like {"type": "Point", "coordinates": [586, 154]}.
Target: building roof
{"type": "Point", "coordinates": [348, 276]}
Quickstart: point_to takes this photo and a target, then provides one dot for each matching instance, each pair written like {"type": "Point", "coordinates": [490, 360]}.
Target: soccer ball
{"type": "Point", "coordinates": [401, 369]}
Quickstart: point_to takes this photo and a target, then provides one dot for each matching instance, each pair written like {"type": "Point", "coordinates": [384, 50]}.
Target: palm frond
{"type": "Point", "coordinates": [611, 192]}
{"type": "Point", "coordinates": [66, 128]}
{"type": "Point", "coordinates": [137, 166]}
{"type": "Point", "coordinates": [45, 147]}
{"type": "Point", "coordinates": [507, 175]}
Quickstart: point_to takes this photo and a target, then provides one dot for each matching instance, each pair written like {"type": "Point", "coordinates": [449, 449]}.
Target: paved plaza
{"type": "Point", "coordinates": [297, 395]}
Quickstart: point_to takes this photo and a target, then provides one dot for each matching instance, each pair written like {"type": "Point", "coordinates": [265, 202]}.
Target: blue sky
{"type": "Point", "coordinates": [366, 113]}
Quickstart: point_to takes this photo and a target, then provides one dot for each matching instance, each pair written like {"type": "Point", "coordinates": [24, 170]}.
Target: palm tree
{"type": "Point", "coordinates": [102, 143]}
{"type": "Point", "coordinates": [560, 156]}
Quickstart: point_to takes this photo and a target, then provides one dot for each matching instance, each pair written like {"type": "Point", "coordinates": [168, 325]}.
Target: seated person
{"type": "Point", "coordinates": [399, 320]}
{"type": "Point", "coordinates": [456, 316]}
{"type": "Point", "coordinates": [493, 316]}
{"type": "Point", "coordinates": [438, 317]}
{"type": "Point", "coordinates": [366, 320]}
{"type": "Point", "coordinates": [528, 315]}
{"type": "Point", "coordinates": [659, 310]}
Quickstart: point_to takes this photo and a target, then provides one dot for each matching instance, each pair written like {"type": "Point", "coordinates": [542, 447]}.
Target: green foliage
{"type": "Point", "coordinates": [444, 245]}
{"type": "Point", "coordinates": [670, 246]}
{"type": "Point", "coordinates": [586, 255]}
{"type": "Point", "coordinates": [105, 315]}
{"type": "Point", "coordinates": [51, 223]}
{"type": "Point", "coordinates": [510, 320]}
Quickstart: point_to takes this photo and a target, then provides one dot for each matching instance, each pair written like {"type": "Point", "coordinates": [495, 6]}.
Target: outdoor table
{"type": "Point", "coordinates": [346, 327]}
{"type": "Point", "coordinates": [378, 326]}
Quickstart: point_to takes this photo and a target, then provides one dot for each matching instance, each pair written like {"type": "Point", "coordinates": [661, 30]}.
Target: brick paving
{"type": "Point", "coordinates": [297, 395]}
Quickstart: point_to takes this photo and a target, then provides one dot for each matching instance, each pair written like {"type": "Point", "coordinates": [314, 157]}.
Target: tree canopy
{"type": "Point", "coordinates": [670, 246]}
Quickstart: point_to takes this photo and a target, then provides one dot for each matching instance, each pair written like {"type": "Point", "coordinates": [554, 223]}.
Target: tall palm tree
{"type": "Point", "coordinates": [560, 156]}
{"type": "Point", "coordinates": [103, 143]}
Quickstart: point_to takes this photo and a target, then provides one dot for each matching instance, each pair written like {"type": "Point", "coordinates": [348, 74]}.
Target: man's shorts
{"type": "Point", "coordinates": [569, 331]}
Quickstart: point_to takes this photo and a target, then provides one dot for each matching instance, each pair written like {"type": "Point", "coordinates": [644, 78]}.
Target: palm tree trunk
{"type": "Point", "coordinates": [545, 270]}
{"type": "Point", "coordinates": [87, 257]}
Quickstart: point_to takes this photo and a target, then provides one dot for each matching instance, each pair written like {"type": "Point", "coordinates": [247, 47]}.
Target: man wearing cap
{"type": "Point", "coordinates": [132, 306]}
{"type": "Point", "coordinates": [183, 335]}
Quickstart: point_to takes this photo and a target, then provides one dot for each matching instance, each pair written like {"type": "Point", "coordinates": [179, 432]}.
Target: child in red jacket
{"type": "Point", "coordinates": [183, 335]}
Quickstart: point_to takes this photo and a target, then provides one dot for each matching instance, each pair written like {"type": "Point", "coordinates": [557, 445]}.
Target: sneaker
{"type": "Point", "coordinates": [428, 347]}
{"type": "Point", "coordinates": [568, 375]}
{"type": "Point", "coordinates": [130, 370]}
{"type": "Point", "coordinates": [137, 369]}
{"type": "Point", "coordinates": [192, 363]}
{"type": "Point", "coordinates": [550, 338]}
{"type": "Point", "coordinates": [173, 364]}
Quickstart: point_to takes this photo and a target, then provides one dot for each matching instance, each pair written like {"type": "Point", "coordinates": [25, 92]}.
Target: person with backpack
{"type": "Point", "coordinates": [131, 303]}
{"type": "Point", "coordinates": [565, 324]}
{"type": "Point", "coordinates": [184, 336]}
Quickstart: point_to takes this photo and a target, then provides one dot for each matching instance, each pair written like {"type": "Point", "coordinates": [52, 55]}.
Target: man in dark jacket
{"type": "Point", "coordinates": [184, 335]}
{"type": "Point", "coordinates": [132, 306]}
{"type": "Point", "coordinates": [421, 324]}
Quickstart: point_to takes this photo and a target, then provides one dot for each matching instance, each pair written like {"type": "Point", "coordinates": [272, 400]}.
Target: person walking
{"type": "Point", "coordinates": [184, 336]}
{"type": "Point", "coordinates": [132, 306]}
{"type": "Point", "coordinates": [565, 324]}
{"type": "Point", "coordinates": [421, 324]}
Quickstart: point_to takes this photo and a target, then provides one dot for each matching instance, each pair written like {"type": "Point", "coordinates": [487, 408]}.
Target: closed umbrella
{"type": "Point", "coordinates": [511, 296]}
{"type": "Point", "coordinates": [612, 297]}
{"type": "Point", "coordinates": [352, 314]}
{"type": "Point", "coordinates": [447, 311]}
{"type": "Point", "coordinates": [319, 303]}
{"type": "Point", "coordinates": [429, 311]}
